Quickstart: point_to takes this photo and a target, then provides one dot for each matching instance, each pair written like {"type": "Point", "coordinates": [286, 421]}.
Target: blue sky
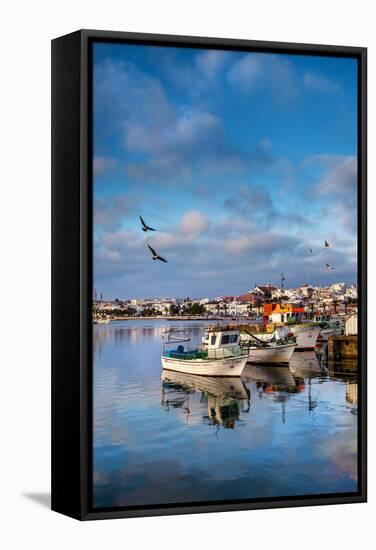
{"type": "Point", "coordinates": [242, 161]}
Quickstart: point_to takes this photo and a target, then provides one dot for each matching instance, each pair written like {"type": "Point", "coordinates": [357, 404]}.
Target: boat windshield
{"type": "Point", "coordinates": [222, 353]}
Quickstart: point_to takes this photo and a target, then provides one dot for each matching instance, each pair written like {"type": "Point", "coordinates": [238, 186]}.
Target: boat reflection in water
{"type": "Point", "coordinates": [309, 366]}
{"type": "Point", "coordinates": [224, 398]}
{"type": "Point", "coordinates": [277, 382]}
{"type": "Point", "coordinates": [306, 364]}
{"type": "Point", "coordinates": [282, 383]}
{"type": "Point", "coordinates": [347, 372]}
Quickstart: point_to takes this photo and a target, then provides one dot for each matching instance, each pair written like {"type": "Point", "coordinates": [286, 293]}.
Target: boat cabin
{"type": "Point", "coordinates": [218, 343]}
{"type": "Point", "coordinates": [221, 342]}
{"type": "Point", "coordinates": [221, 338]}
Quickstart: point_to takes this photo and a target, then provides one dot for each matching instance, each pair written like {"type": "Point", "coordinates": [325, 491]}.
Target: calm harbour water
{"type": "Point", "coordinates": [281, 431]}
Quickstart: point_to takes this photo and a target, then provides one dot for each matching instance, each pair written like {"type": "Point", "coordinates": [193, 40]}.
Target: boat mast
{"type": "Point", "coordinates": [283, 278]}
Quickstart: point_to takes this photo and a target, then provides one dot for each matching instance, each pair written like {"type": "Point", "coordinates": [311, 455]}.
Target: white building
{"type": "Point", "coordinates": [277, 294]}
{"type": "Point", "coordinates": [351, 292]}
{"type": "Point", "coordinates": [137, 302]}
{"type": "Point", "coordinates": [351, 325]}
{"type": "Point", "coordinates": [211, 308]}
{"type": "Point", "coordinates": [339, 287]}
{"type": "Point", "coordinates": [306, 291]}
{"type": "Point", "coordinates": [236, 308]}
{"type": "Point", "coordinates": [163, 307]}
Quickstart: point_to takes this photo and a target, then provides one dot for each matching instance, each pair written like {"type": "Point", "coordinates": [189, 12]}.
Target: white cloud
{"type": "Point", "coordinates": [193, 223]}
{"type": "Point", "coordinates": [182, 130]}
{"type": "Point", "coordinates": [167, 241]}
{"type": "Point", "coordinates": [320, 83]}
{"type": "Point", "coordinates": [192, 75]}
{"type": "Point", "coordinates": [338, 185]}
{"type": "Point", "coordinates": [246, 73]}
{"type": "Point", "coordinates": [191, 123]}
{"type": "Point", "coordinates": [264, 247]}
{"type": "Point", "coordinates": [211, 62]}
{"type": "Point", "coordinates": [238, 245]}
{"type": "Point", "coordinates": [276, 73]}
{"type": "Point", "coordinates": [230, 253]}
{"type": "Point", "coordinates": [109, 212]}
{"type": "Point", "coordinates": [138, 107]}
{"type": "Point", "coordinates": [265, 71]}
{"type": "Point", "coordinates": [340, 178]}
{"type": "Point", "coordinates": [175, 138]}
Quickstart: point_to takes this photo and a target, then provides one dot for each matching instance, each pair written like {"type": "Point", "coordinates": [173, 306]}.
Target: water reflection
{"type": "Point", "coordinates": [306, 364]}
{"type": "Point", "coordinates": [165, 437]}
{"type": "Point", "coordinates": [277, 382]}
{"type": "Point", "coordinates": [223, 398]}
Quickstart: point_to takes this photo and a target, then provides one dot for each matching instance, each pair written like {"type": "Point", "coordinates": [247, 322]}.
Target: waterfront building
{"type": "Point", "coordinates": [281, 313]}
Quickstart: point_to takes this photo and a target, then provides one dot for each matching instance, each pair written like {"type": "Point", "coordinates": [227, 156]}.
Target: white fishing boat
{"type": "Point", "coordinates": [306, 336]}
{"type": "Point", "coordinates": [101, 321]}
{"type": "Point", "coordinates": [271, 353]}
{"type": "Point", "coordinates": [276, 347]}
{"type": "Point", "coordinates": [332, 328]}
{"type": "Point", "coordinates": [220, 355]}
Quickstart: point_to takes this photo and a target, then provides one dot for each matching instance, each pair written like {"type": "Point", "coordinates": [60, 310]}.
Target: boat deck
{"type": "Point", "coordinates": [186, 355]}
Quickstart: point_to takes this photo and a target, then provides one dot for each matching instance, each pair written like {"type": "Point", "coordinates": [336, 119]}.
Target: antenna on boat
{"type": "Point", "coordinates": [283, 278]}
{"type": "Point", "coordinates": [310, 252]}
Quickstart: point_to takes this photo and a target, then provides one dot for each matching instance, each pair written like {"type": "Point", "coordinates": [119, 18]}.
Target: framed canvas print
{"type": "Point", "coordinates": [208, 274]}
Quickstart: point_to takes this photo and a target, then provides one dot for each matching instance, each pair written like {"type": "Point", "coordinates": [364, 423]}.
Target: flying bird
{"type": "Point", "coordinates": [146, 227]}
{"type": "Point", "coordinates": [156, 256]}
{"type": "Point", "coordinates": [329, 266]}
{"type": "Point", "coordinates": [326, 244]}
{"type": "Point", "coordinates": [311, 251]}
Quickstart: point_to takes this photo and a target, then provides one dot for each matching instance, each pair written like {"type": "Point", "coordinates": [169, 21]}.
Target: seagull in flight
{"type": "Point", "coordinates": [146, 227]}
{"type": "Point", "coordinates": [311, 251]}
{"type": "Point", "coordinates": [326, 244]}
{"type": "Point", "coordinates": [156, 256]}
{"type": "Point", "coordinates": [329, 266]}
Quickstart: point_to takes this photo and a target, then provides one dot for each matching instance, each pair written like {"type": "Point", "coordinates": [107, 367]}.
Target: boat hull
{"type": "Point", "coordinates": [275, 354]}
{"type": "Point", "coordinates": [326, 332]}
{"type": "Point", "coordinates": [306, 337]}
{"type": "Point", "coordinates": [229, 366]}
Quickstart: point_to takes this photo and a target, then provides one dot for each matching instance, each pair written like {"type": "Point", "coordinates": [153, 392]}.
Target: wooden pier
{"type": "Point", "coordinates": [342, 347]}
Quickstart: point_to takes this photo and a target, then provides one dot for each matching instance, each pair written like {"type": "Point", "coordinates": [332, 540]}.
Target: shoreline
{"type": "Point", "coordinates": [176, 318]}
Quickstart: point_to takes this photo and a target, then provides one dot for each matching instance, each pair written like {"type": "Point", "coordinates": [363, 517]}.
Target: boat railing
{"type": "Point", "coordinates": [172, 340]}
{"type": "Point", "coordinates": [176, 339]}
{"type": "Point", "coordinates": [220, 328]}
{"type": "Point", "coordinates": [224, 353]}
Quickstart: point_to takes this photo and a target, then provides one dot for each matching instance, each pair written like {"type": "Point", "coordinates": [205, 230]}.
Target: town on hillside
{"type": "Point", "coordinates": [263, 301]}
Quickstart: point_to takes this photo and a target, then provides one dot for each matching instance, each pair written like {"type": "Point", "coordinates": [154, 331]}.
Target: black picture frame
{"type": "Point", "coordinates": [72, 272]}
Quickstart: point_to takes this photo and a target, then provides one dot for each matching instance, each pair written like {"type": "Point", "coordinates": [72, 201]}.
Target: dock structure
{"type": "Point", "coordinates": [342, 347]}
